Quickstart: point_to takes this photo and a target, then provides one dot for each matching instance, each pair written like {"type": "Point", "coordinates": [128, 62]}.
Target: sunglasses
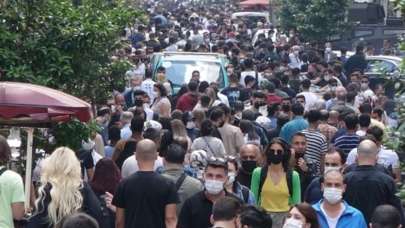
{"type": "Point", "coordinates": [274, 151]}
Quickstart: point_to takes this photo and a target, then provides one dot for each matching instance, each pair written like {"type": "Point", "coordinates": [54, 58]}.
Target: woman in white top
{"type": "Point", "coordinates": [161, 105]}
{"type": "Point", "coordinates": [210, 144]}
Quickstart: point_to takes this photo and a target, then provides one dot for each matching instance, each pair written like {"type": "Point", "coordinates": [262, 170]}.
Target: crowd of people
{"type": "Point", "coordinates": [296, 140]}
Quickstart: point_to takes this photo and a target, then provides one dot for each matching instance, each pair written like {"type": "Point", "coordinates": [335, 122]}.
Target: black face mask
{"type": "Point", "coordinates": [138, 102]}
{"type": "Point", "coordinates": [249, 165]}
{"type": "Point", "coordinates": [273, 158]}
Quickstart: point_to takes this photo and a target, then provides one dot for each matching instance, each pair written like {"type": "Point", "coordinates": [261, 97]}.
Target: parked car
{"type": "Point", "coordinates": [180, 65]}
{"type": "Point", "coordinates": [252, 16]}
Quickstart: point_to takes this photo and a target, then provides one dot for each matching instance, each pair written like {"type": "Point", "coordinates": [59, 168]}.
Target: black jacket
{"type": "Point", "coordinates": [367, 187]}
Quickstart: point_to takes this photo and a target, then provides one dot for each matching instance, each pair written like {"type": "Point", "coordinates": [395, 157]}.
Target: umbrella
{"type": "Point", "coordinates": [28, 105]}
{"type": "Point", "coordinates": [255, 2]}
{"type": "Point", "coordinates": [37, 105]}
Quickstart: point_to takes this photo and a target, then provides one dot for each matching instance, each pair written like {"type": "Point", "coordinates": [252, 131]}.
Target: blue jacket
{"type": "Point", "coordinates": [351, 217]}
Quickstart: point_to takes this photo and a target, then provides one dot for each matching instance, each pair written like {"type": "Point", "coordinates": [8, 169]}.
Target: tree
{"type": "Point", "coordinates": [315, 20]}
{"type": "Point", "coordinates": [65, 46]}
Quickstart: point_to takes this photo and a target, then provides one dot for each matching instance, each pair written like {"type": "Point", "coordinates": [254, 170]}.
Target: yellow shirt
{"type": "Point", "coordinates": [274, 198]}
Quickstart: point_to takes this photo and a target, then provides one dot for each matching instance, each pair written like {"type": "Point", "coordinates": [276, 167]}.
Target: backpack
{"type": "Point", "coordinates": [263, 175]}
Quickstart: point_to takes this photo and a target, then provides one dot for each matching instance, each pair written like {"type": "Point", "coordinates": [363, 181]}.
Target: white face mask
{"type": "Point", "coordinates": [293, 223]}
{"type": "Point", "coordinates": [231, 177]}
{"type": "Point", "coordinates": [214, 187]}
{"type": "Point", "coordinates": [332, 195]}
{"type": "Point", "coordinates": [330, 168]}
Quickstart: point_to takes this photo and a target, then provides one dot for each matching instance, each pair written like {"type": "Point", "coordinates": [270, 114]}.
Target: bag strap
{"type": "Point", "coordinates": [289, 176]}
{"type": "Point", "coordinates": [263, 175]}
{"type": "Point", "coordinates": [245, 194]}
{"type": "Point", "coordinates": [209, 147]}
{"type": "Point", "coordinates": [180, 181]}
{"type": "Point", "coordinates": [2, 170]}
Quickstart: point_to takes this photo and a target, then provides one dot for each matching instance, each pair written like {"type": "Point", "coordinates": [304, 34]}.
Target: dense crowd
{"type": "Point", "coordinates": [296, 140]}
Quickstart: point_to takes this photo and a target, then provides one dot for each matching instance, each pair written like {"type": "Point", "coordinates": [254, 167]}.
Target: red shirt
{"type": "Point", "coordinates": [273, 99]}
{"type": "Point", "coordinates": [187, 102]}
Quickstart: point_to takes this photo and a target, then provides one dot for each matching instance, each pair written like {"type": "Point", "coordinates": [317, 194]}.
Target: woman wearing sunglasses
{"type": "Point", "coordinates": [275, 186]}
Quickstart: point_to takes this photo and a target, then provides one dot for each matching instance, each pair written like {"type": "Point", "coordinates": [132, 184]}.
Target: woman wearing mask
{"type": "Point", "coordinates": [276, 187]}
{"type": "Point", "coordinates": [62, 191]}
{"type": "Point", "coordinates": [161, 105]}
{"type": "Point", "coordinates": [301, 216]}
{"type": "Point", "coordinates": [104, 184]}
{"type": "Point", "coordinates": [233, 186]}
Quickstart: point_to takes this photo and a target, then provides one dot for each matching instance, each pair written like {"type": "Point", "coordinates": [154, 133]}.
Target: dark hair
{"type": "Point", "coordinates": [205, 100]}
{"type": "Point", "coordinates": [203, 86]}
{"type": "Point", "coordinates": [297, 109]}
{"type": "Point", "coordinates": [379, 111]}
{"type": "Point", "coordinates": [162, 89]}
{"type": "Point", "coordinates": [207, 127]}
{"type": "Point", "coordinates": [309, 213]}
{"type": "Point", "coordinates": [282, 118]}
{"type": "Point", "coordinates": [225, 108]}
{"type": "Point", "coordinates": [314, 116]}
{"type": "Point", "coordinates": [249, 79]}
{"type": "Point", "coordinates": [192, 86]}
{"type": "Point", "coordinates": [300, 96]}
{"type": "Point", "coordinates": [365, 108]}
{"type": "Point", "coordinates": [139, 92]}
{"type": "Point", "coordinates": [226, 208]}
{"type": "Point", "coordinates": [161, 69]}
{"type": "Point", "coordinates": [385, 216]}
{"type": "Point", "coordinates": [175, 154]}
{"type": "Point", "coordinates": [324, 115]}
{"type": "Point", "coordinates": [114, 133]}
{"type": "Point", "coordinates": [248, 115]}
{"type": "Point", "coordinates": [255, 217]}
{"type": "Point", "coordinates": [341, 153]}
{"type": "Point", "coordinates": [81, 220]}
{"type": "Point", "coordinates": [299, 134]}
{"type": "Point", "coordinates": [216, 113]}
{"type": "Point", "coordinates": [137, 124]}
{"type": "Point", "coordinates": [152, 134]}
{"type": "Point", "coordinates": [376, 132]}
{"type": "Point", "coordinates": [106, 177]}
{"type": "Point", "coordinates": [306, 83]}
{"type": "Point", "coordinates": [351, 121]}
{"type": "Point", "coordinates": [165, 121]}
{"type": "Point", "coordinates": [286, 151]}
{"type": "Point", "coordinates": [259, 94]}
{"type": "Point", "coordinates": [5, 151]}
{"type": "Point", "coordinates": [364, 120]}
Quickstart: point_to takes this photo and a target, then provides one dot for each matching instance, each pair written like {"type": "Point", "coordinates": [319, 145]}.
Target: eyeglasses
{"type": "Point", "coordinates": [274, 151]}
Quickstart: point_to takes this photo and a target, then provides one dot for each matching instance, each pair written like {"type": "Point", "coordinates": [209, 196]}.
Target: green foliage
{"type": "Point", "coordinates": [67, 47]}
{"type": "Point", "coordinates": [72, 133]}
{"type": "Point", "coordinates": [315, 20]}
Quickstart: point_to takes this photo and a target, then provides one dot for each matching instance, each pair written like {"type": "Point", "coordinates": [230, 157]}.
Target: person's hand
{"type": "Point", "coordinates": [108, 201]}
{"type": "Point", "coordinates": [302, 164]}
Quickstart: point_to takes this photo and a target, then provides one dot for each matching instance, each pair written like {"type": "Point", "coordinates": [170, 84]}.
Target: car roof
{"type": "Point", "coordinates": [183, 56]}
{"type": "Point", "coordinates": [237, 14]}
{"type": "Point", "coordinates": [385, 57]}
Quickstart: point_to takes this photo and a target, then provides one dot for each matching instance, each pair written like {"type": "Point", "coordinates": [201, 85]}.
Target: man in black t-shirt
{"type": "Point", "coordinates": [146, 199]}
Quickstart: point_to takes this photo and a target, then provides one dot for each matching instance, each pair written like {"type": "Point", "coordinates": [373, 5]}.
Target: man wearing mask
{"type": "Point", "coordinates": [294, 57]}
{"type": "Point", "coordinates": [332, 211]}
{"type": "Point", "coordinates": [334, 160]}
{"type": "Point", "coordinates": [250, 157]}
{"type": "Point", "coordinates": [366, 95]}
{"type": "Point", "coordinates": [197, 210]}
{"type": "Point", "coordinates": [329, 56]}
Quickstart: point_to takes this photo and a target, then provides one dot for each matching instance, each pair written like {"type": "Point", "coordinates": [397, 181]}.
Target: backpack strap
{"type": "Point", "coordinates": [180, 181]}
{"type": "Point", "coordinates": [263, 175]}
{"type": "Point", "coordinates": [245, 194]}
{"type": "Point", "coordinates": [289, 176]}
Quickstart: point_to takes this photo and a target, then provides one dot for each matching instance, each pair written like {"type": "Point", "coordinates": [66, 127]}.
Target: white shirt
{"type": "Point", "coordinates": [385, 157]}
{"type": "Point", "coordinates": [130, 166]}
{"type": "Point", "coordinates": [126, 132]}
{"type": "Point", "coordinates": [223, 98]}
{"type": "Point", "coordinates": [147, 87]}
{"type": "Point", "coordinates": [310, 99]}
{"type": "Point", "coordinates": [295, 61]}
{"type": "Point", "coordinates": [332, 222]}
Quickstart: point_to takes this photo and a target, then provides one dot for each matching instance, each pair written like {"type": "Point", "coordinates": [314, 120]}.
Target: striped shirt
{"type": "Point", "coordinates": [347, 142]}
{"type": "Point", "coordinates": [317, 145]}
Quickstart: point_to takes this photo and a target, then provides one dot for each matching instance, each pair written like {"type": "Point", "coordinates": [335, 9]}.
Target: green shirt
{"type": "Point", "coordinates": [11, 191]}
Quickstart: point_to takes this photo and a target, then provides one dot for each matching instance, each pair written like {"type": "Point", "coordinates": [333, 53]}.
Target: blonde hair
{"type": "Point", "coordinates": [62, 170]}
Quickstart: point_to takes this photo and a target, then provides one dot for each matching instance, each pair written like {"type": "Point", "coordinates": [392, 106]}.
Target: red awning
{"type": "Point", "coordinates": [28, 103]}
